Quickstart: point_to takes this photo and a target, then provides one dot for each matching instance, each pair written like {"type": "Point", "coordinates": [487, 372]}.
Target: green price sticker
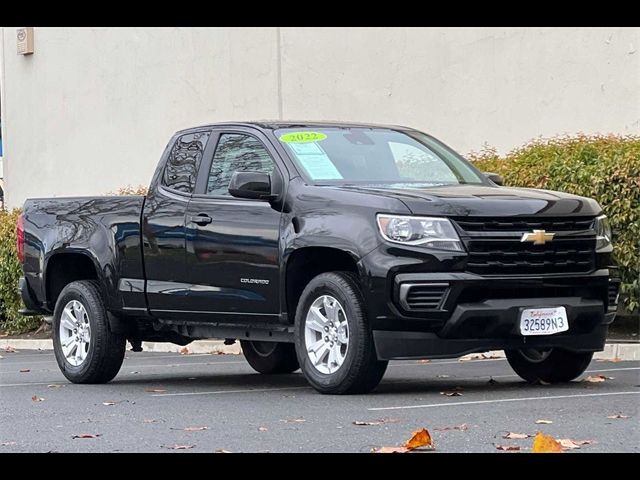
{"type": "Point", "coordinates": [302, 137]}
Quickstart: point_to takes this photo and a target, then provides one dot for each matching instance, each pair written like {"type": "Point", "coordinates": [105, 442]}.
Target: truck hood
{"type": "Point", "coordinates": [485, 201]}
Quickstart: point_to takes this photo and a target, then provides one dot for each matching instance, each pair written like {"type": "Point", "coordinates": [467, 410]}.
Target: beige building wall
{"type": "Point", "coordinates": [92, 108]}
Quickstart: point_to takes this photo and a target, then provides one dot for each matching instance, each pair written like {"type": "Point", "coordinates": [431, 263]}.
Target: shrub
{"type": "Point", "coordinates": [606, 168]}
{"type": "Point", "coordinates": [10, 272]}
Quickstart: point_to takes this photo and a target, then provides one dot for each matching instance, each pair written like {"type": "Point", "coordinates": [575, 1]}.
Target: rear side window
{"type": "Point", "coordinates": [184, 160]}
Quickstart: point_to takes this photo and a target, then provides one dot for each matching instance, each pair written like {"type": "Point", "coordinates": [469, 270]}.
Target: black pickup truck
{"type": "Point", "coordinates": [329, 247]}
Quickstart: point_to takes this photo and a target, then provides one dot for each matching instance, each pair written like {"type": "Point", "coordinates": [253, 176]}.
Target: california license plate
{"type": "Point", "coordinates": [543, 321]}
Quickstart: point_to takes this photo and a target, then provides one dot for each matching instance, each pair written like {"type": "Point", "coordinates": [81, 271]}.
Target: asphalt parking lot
{"type": "Point", "coordinates": [205, 403]}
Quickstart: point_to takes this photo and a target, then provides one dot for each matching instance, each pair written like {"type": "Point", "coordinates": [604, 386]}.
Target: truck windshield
{"type": "Point", "coordinates": [358, 155]}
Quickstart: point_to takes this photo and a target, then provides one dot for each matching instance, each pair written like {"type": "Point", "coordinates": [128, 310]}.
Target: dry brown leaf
{"type": "Point", "coordinates": [391, 450]}
{"type": "Point", "coordinates": [7, 444]}
{"type": "Point", "coordinates": [24, 370]}
{"type": "Point", "coordinates": [195, 429]}
{"type": "Point", "coordinates": [462, 427]}
{"type": "Point", "coordinates": [419, 439]}
{"type": "Point", "coordinates": [516, 436]}
{"type": "Point", "coordinates": [619, 415]}
{"type": "Point", "coordinates": [222, 450]}
{"type": "Point", "coordinates": [217, 352]}
{"type": "Point", "coordinates": [450, 393]}
{"type": "Point", "coordinates": [545, 444]}
{"type": "Point", "coordinates": [87, 435]}
{"type": "Point", "coordinates": [53, 385]}
{"type": "Point", "coordinates": [108, 404]}
{"type": "Point", "coordinates": [184, 351]}
{"type": "Point", "coordinates": [155, 390]}
{"type": "Point", "coordinates": [597, 378]}
{"type": "Point", "coordinates": [263, 429]}
{"type": "Point", "coordinates": [10, 349]}
{"type": "Point", "coordinates": [36, 398]}
{"type": "Point", "coordinates": [508, 448]}
{"type": "Point", "coordinates": [178, 447]}
{"type": "Point", "coordinates": [150, 420]}
{"type": "Point", "coordinates": [544, 422]}
{"type": "Point", "coordinates": [424, 361]}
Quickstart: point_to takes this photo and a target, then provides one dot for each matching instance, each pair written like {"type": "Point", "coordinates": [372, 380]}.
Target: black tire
{"type": "Point", "coordinates": [558, 366]}
{"type": "Point", "coordinates": [106, 349]}
{"type": "Point", "coordinates": [361, 371]}
{"type": "Point", "coordinates": [270, 357]}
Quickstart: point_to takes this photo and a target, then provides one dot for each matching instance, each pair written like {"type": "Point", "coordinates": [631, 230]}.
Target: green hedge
{"type": "Point", "coordinates": [10, 272]}
{"type": "Point", "coordinates": [606, 168]}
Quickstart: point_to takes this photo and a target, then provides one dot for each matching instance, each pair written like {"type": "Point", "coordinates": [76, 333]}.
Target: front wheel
{"type": "Point", "coordinates": [549, 366]}
{"type": "Point", "coordinates": [334, 341]}
{"type": "Point", "coordinates": [86, 350]}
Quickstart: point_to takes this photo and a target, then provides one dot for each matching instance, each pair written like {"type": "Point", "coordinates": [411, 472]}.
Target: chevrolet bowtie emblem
{"type": "Point", "coordinates": [538, 237]}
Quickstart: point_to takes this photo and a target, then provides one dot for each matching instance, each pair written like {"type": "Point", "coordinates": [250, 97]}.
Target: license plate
{"type": "Point", "coordinates": [543, 321]}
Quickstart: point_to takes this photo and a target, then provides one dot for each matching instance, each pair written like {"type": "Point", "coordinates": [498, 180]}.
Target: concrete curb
{"type": "Point", "coordinates": [612, 351]}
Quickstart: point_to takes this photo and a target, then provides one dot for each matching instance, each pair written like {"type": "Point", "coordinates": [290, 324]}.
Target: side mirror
{"type": "Point", "coordinates": [253, 185]}
{"type": "Point", "coordinates": [495, 178]}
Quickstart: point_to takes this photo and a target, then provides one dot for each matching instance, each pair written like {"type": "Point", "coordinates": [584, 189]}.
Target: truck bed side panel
{"type": "Point", "coordinates": [107, 229]}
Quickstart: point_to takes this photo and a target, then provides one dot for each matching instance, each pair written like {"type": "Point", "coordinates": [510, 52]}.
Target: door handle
{"type": "Point", "coordinates": [201, 219]}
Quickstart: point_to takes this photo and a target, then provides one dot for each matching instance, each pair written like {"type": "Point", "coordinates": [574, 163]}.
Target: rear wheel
{"type": "Point", "coordinates": [85, 348]}
{"type": "Point", "coordinates": [334, 341]}
{"type": "Point", "coordinates": [550, 365]}
{"type": "Point", "coordinates": [270, 357]}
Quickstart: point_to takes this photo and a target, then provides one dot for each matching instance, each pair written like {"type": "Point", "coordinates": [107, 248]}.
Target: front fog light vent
{"type": "Point", "coordinates": [423, 296]}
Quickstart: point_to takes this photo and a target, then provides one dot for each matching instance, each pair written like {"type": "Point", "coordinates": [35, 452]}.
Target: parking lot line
{"type": "Point", "coordinates": [502, 400]}
{"type": "Point", "coordinates": [217, 392]}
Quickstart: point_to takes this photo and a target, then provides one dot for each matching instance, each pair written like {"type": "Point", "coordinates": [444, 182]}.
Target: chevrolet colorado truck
{"type": "Point", "coordinates": [328, 247]}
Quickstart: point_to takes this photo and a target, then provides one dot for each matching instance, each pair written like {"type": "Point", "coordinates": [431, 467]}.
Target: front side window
{"type": "Point", "coordinates": [184, 160]}
{"type": "Point", "coordinates": [236, 152]}
{"type": "Point", "coordinates": [358, 155]}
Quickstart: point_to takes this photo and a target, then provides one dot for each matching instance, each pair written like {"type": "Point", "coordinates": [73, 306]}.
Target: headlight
{"type": "Point", "coordinates": [603, 232]}
{"type": "Point", "coordinates": [433, 232]}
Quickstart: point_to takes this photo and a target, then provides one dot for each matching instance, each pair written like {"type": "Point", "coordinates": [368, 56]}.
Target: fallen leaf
{"type": "Point", "coordinates": [10, 349]}
{"type": "Point", "coordinates": [54, 386]}
{"type": "Point", "coordinates": [87, 435]}
{"type": "Point", "coordinates": [6, 444]}
{"type": "Point", "coordinates": [569, 444]}
{"type": "Point", "coordinates": [294, 420]}
{"type": "Point", "coordinates": [424, 361]}
{"type": "Point", "coordinates": [419, 438]}
{"type": "Point", "coordinates": [619, 415]}
{"type": "Point", "coordinates": [24, 370]}
{"type": "Point", "coordinates": [150, 420]}
{"type": "Point", "coordinates": [222, 450]}
{"type": "Point", "coordinates": [262, 429]}
{"type": "Point", "coordinates": [155, 390]}
{"type": "Point", "coordinates": [217, 352]}
{"type": "Point", "coordinates": [184, 351]}
{"type": "Point", "coordinates": [516, 436]}
{"type": "Point", "coordinates": [450, 393]}
{"type": "Point", "coordinates": [544, 422]}
{"type": "Point", "coordinates": [36, 398]}
{"type": "Point", "coordinates": [597, 378]}
{"type": "Point", "coordinates": [545, 444]}
{"type": "Point", "coordinates": [108, 404]}
{"type": "Point", "coordinates": [508, 448]}
{"type": "Point", "coordinates": [492, 381]}
{"type": "Point", "coordinates": [134, 373]}
{"type": "Point", "coordinates": [442, 376]}
{"type": "Point", "coordinates": [391, 450]}
{"type": "Point", "coordinates": [195, 429]}
{"type": "Point", "coordinates": [178, 447]}
{"type": "Point", "coordinates": [461, 427]}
